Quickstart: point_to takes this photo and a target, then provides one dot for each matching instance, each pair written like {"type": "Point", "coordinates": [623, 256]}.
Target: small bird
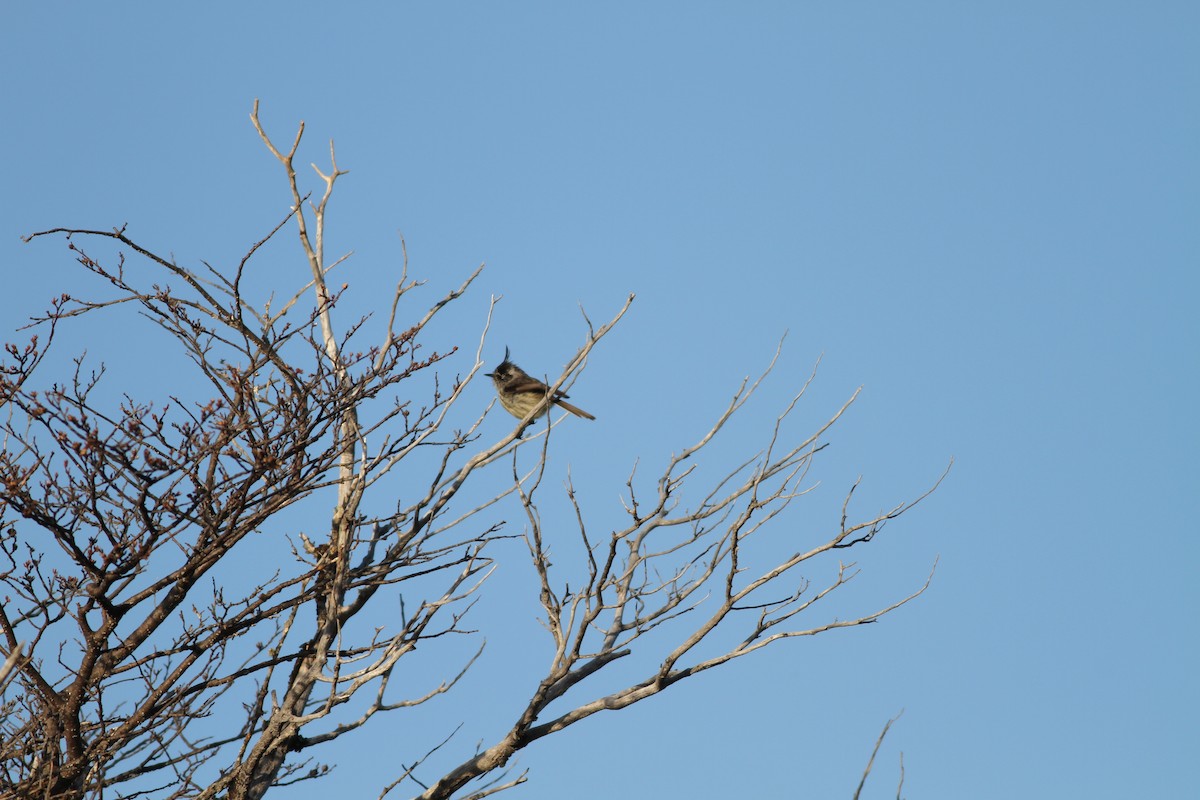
{"type": "Point", "coordinates": [520, 392]}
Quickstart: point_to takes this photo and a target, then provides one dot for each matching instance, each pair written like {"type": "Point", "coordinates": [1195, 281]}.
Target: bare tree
{"type": "Point", "coordinates": [124, 632]}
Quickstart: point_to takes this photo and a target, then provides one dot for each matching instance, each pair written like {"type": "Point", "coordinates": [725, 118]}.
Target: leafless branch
{"type": "Point", "coordinates": [875, 752]}
{"type": "Point", "coordinates": [676, 559]}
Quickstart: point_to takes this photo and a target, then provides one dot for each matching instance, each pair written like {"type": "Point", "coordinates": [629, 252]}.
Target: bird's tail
{"type": "Point", "coordinates": [576, 410]}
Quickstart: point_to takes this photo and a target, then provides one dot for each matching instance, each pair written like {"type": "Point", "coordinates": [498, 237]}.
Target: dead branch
{"type": "Point", "coordinates": [871, 761]}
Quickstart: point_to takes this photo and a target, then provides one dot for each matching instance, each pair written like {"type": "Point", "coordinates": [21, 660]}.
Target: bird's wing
{"type": "Point", "coordinates": [530, 385]}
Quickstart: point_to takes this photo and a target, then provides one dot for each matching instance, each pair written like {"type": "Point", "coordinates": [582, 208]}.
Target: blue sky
{"type": "Point", "coordinates": [984, 214]}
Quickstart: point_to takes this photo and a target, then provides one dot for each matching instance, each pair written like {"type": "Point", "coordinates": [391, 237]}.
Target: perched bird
{"type": "Point", "coordinates": [520, 392]}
